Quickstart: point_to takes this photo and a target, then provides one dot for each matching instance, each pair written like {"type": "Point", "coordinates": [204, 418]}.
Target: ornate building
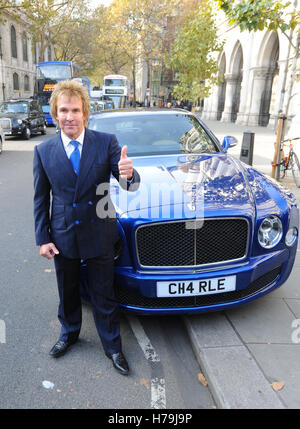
{"type": "Point", "coordinates": [258, 73]}
{"type": "Point", "coordinates": [18, 56]}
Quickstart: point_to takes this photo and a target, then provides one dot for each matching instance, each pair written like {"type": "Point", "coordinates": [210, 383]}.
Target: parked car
{"type": "Point", "coordinates": [22, 117]}
{"type": "Point", "coordinates": [204, 231]}
{"type": "Point", "coordinates": [94, 106]}
{"type": "Point", "coordinates": [2, 139]}
{"type": "Point", "coordinates": [109, 104]}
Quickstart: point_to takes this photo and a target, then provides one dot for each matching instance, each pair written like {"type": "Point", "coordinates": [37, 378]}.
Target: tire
{"type": "Point", "coordinates": [44, 130]}
{"type": "Point", "coordinates": [26, 133]}
{"type": "Point", "coordinates": [282, 170]}
{"type": "Point", "coordinates": [295, 165]}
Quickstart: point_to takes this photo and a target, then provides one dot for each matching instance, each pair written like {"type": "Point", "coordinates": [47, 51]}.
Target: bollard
{"type": "Point", "coordinates": [247, 147]}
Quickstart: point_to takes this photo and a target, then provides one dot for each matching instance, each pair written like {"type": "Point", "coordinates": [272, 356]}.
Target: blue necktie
{"type": "Point", "coordinates": [75, 156]}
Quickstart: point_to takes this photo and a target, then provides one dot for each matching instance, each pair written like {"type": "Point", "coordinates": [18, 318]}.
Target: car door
{"type": "Point", "coordinates": [34, 115]}
{"type": "Point", "coordinates": [41, 116]}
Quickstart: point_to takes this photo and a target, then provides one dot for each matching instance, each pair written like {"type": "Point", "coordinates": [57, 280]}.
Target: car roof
{"type": "Point", "coordinates": [141, 111]}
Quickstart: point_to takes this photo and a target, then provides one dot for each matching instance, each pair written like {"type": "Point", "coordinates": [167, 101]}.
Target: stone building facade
{"type": "Point", "coordinates": [258, 72]}
{"type": "Point", "coordinates": [18, 56]}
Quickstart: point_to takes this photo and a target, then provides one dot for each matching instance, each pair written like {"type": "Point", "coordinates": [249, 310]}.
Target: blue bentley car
{"type": "Point", "coordinates": [204, 231]}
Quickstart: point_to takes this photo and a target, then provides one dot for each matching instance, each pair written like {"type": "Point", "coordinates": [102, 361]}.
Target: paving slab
{"type": "Point", "coordinates": [266, 320]}
{"type": "Point", "coordinates": [281, 364]}
{"type": "Point", "coordinates": [234, 377]}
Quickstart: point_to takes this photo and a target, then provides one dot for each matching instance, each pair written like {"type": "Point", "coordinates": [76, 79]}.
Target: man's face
{"type": "Point", "coordinates": [70, 116]}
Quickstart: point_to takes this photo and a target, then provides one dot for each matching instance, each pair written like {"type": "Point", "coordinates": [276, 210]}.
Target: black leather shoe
{"type": "Point", "coordinates": [60, 348]}
{"type": "Point", "coordinates": [119, 362]}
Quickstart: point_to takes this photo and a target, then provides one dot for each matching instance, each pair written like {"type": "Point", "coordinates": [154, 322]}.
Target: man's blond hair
{"type": "Point", "coordinates": [70, 88]}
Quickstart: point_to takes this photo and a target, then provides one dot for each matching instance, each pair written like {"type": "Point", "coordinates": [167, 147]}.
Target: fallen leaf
{"type": "Point", "coordinates": [202, 379]}
{"type": "Point", "coordinates": [145, 382]}
{"type": "Point", "coordinates": [277, 385]}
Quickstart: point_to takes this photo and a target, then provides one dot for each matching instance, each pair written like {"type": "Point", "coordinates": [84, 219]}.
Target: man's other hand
{"type": "Point", "coordinates": [48, 250]}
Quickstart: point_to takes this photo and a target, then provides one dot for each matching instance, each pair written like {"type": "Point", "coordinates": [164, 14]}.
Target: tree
{"type": "Point", "coordinates": [192, 53]}
{"type": "Point", "coordinates": [48, 19]}
{"type": "Point", "coordinates": [259, 15]}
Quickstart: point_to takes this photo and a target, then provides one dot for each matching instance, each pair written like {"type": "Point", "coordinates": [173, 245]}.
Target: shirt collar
{"type": "Point", "coordinates": [66, 140]}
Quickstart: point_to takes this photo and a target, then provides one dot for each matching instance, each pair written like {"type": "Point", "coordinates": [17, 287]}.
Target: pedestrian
{"type": "Point", "coordinates": [70, 165]}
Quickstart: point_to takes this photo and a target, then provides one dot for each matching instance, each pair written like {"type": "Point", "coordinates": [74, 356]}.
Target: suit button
{"type": "Point", "coordinates": [74, 204]}
{"type": "Point", "coordinates": [77, 222]}
{"type": "Point", "coordinates": [90, 203]}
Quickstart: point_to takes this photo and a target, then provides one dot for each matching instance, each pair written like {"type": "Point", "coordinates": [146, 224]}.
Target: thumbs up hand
{"type": "Point", "coordinates": [125, 165]}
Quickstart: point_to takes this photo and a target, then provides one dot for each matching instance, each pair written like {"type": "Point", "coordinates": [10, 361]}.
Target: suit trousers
{"type": "Point", "coordinates": [100, 272]}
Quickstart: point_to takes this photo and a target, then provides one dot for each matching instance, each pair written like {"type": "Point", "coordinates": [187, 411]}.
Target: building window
{"type": "Point", "coordinates": [16, 81]}
{"type": "Point", "coordinates": [26, 83]}
{"type": "Point", "coordinates": [25, 48]}
{"type": "Point", "coordinates": [13, 41]}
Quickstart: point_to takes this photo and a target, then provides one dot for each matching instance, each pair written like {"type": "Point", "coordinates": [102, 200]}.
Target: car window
{"type": "Point", "coordinates": [157, 134]}
{"type": "Point", "coordinates": [21, 107]}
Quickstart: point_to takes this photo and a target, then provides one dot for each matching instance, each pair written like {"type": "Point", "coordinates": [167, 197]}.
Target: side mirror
{"type": "Point", "coordinates": [229, 141]}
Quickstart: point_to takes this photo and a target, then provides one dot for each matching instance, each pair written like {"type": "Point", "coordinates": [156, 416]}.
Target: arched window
{"type": "Point", "coordinates": [26, 83]}
{"type": "Point", "coordinates": [13, 41]}
{"type": "Point", "coordinates": [25, 48]}
{"type": "Point", "coordinates": [16, 81]}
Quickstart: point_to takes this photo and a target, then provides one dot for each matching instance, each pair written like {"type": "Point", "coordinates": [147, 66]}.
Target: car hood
{"type": "Point", "coordinates": [186, 186]}
{"type": "Point", "coordinates": [13, 115]}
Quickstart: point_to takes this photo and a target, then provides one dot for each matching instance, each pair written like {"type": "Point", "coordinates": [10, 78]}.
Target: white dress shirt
{"type": "Point", "coordinates": [68, 146]}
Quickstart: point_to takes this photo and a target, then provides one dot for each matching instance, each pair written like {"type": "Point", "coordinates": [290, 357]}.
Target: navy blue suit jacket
{"type": "Point", "coordinates": [69, 219]}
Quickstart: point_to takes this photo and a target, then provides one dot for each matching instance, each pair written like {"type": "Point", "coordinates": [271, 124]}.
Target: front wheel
{"type": "Point", "coordinates": [26, 133]}
{"type": "Point", "coordinates": [295, 165]}
{"type": "Point", "coordinates": [44, 130]}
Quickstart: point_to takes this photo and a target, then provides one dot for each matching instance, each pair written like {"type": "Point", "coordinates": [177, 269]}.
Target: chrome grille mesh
{"type": "Point", "coordinates": [170, 244]}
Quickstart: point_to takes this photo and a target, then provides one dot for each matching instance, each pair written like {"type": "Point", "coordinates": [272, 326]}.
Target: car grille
{"type": "Point", "coordinates": [5, 124]}
{"type": "Point", "coordinates": [134, 299]}
{"type": "Point", "coordinates": [166, 244]}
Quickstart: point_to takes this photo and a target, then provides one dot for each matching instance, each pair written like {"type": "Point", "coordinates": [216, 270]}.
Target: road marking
{"type": "Point", "coordinates": [2, 332]}
{"type": "Point", "coordinates": [158, 391]}
{"type": "Point", "coordinates": [143, 340]}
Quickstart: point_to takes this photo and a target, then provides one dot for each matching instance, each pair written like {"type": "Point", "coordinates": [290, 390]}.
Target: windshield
{"type": "Point", "coordinates": [54, 71]}
{"type": "Point", "coordinates": [14, 107]}
{"type": "Point", "coordinates": [114, 82]}
{"type": "Point", "coordinates": [156, 134]}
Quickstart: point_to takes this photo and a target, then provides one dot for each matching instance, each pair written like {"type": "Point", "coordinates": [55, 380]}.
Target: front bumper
{"type": "Point", "coordinates": [136, 291]}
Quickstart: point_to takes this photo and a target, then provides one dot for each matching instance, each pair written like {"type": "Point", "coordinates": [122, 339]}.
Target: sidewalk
{"type": "Point", "coordinates": [250, 354]}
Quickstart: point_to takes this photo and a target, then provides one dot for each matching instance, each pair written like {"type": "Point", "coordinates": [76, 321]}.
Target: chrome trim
{"type": "Point", "coordinates": [6, 125]}
{"type": "Point", "coordinates": [213, 264]}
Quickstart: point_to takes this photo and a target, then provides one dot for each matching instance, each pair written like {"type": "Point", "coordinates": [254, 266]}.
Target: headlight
{"type": "Point", "coordinates": [270, 232]}
{"type": "Point", "coordinates": [291, 236]}
{"type": "Point", "coordinates": [20, 121]}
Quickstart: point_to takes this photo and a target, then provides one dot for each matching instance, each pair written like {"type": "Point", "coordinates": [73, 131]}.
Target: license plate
{"type": "Point", "coordinates": [196, 287]}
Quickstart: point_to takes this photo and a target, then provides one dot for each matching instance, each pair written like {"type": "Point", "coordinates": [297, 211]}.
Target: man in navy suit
{"type": "Point", "coordinates": [70, 166]}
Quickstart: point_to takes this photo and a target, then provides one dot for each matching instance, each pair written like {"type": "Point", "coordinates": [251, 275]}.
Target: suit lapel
{"type": "Point", "coordinates": [87, 158]}
{"type": "Point", "coordinates": [62, 161]}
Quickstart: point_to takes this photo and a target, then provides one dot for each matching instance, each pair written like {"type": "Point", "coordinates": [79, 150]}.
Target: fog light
{"type": "Point", "coordinates": [291, 236]}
